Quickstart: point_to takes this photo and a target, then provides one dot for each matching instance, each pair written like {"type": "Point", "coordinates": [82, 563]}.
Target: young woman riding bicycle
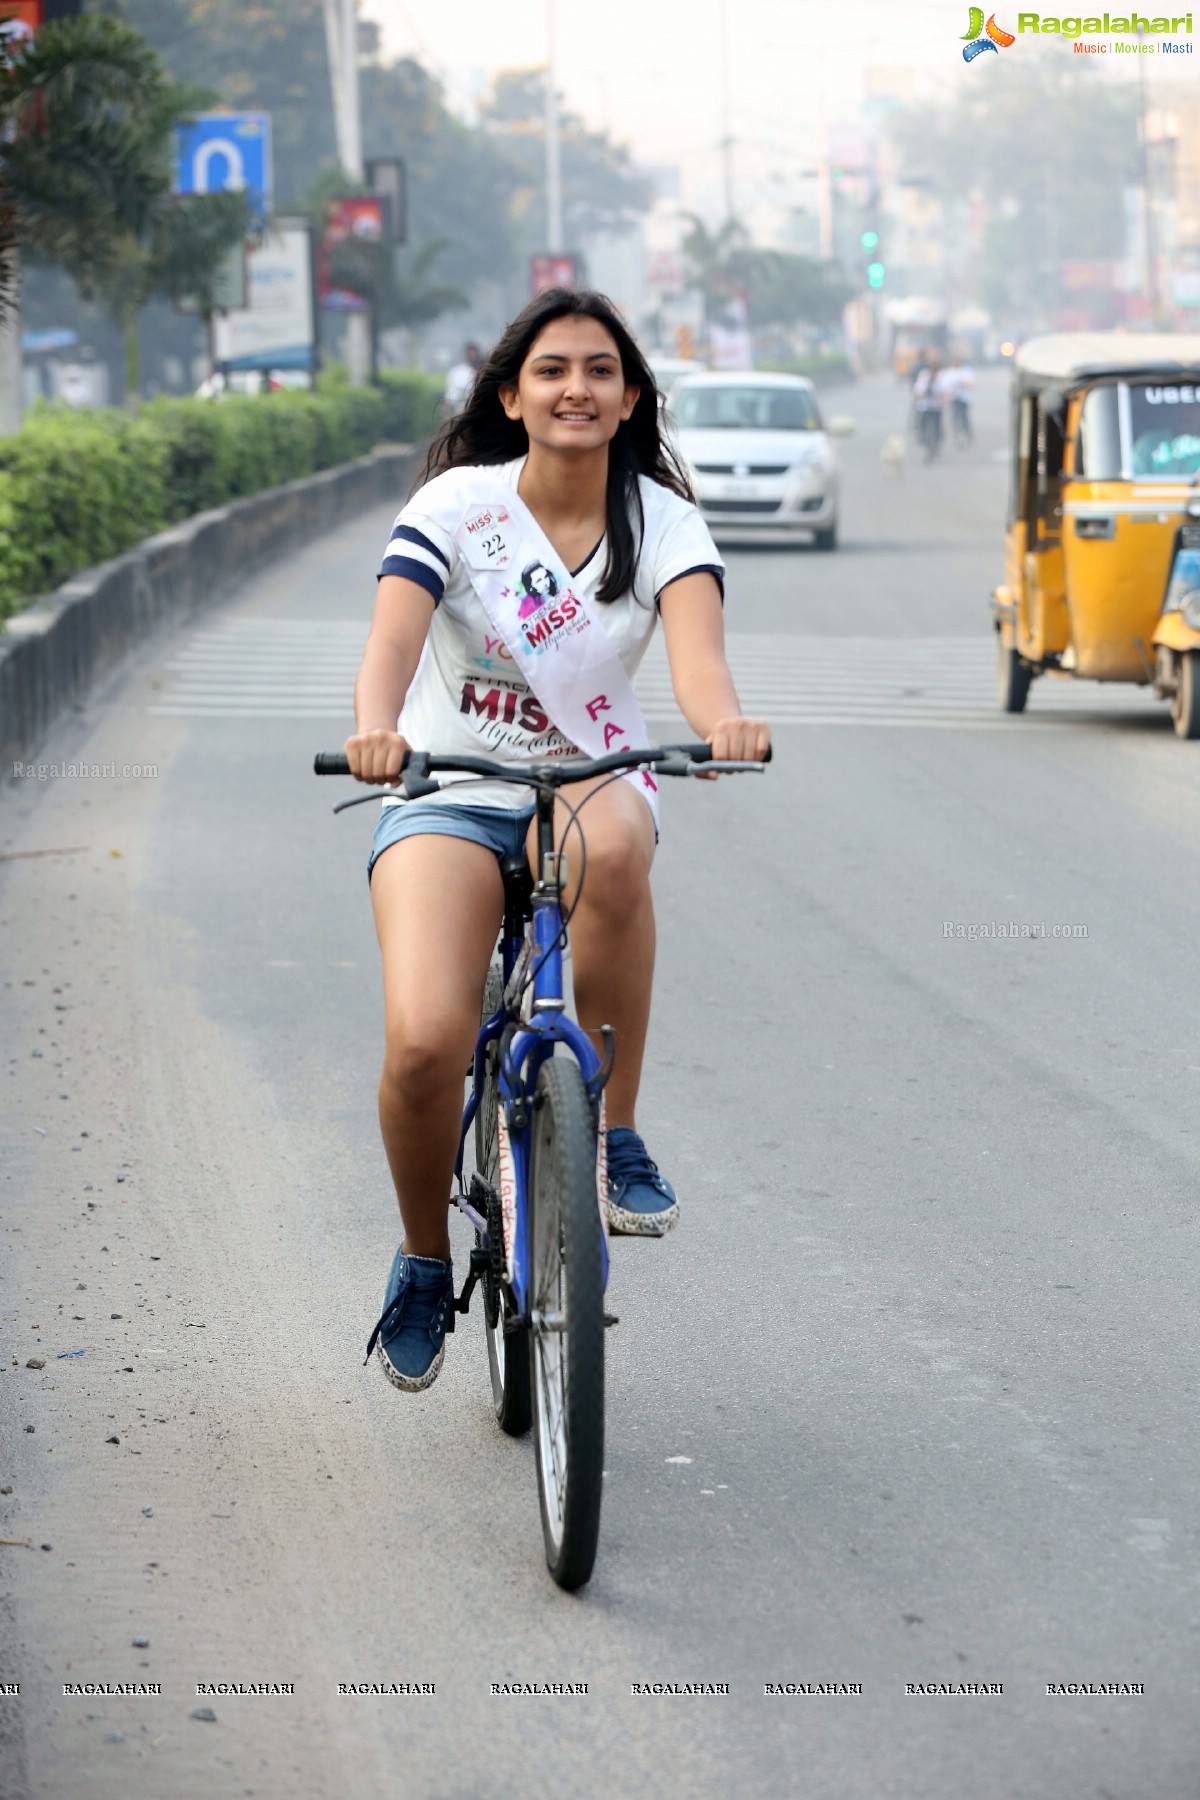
{"type": "Point", "coordinates": [560, 437]}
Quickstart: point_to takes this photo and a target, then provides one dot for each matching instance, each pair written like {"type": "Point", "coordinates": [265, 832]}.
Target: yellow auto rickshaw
{"type": "Point", "coordinates": [1102, 560]}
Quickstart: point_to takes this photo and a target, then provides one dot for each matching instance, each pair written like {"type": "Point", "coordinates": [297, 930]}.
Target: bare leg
{"type": "Point", "coordinates": [612, 932]}
{"type": "Point", "coordinates": [438, 902]}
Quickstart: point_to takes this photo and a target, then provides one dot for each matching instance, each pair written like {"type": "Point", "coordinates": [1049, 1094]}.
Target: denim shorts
{"type": "Point", "coordinates": [495, 827]}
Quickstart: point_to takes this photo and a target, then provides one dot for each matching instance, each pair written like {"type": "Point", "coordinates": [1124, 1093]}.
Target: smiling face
{"type": "Point", "coordinates": [571, 393]}
{"type": "Point", "coordinates": [541, 580]}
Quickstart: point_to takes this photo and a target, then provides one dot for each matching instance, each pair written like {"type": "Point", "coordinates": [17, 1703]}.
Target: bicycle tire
{"type": "Point", "coordinates": [567, 1283]}
{"type": "Point", "coordinates": [508, 1366]}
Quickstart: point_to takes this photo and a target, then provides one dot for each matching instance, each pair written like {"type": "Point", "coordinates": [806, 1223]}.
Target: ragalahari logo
{"type": "Point", "coordinates": [975, 44]}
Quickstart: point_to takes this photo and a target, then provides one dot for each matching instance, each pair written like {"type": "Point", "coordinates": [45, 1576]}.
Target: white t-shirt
{"type": "Point", "coordinates": [468, 697]}
{"type": "Point", "coordinates": [459, 382]}
{"type": "Point", "coordinates": [964, 383]}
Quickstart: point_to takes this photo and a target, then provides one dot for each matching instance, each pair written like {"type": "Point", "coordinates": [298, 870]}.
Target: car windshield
{"type": "Point", "coordinates": [747, 408]}
{"type": "Point", "coordinates": [1165, 428]}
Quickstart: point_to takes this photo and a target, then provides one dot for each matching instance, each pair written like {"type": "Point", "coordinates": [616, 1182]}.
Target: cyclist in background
{"type": "Point", "coordinates": [561, 428]}
{"type": "Point", "coordinates": [928, 397]}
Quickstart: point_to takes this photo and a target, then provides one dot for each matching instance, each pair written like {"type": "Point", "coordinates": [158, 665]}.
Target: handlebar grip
{"type": "Point", "coordinates": [330, 762]}
{"type": "Point", "coordinates": [702, 753]}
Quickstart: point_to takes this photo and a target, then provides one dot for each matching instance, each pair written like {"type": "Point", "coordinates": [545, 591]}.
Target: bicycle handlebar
{"type": "Point", "coordinates": [668, 759]}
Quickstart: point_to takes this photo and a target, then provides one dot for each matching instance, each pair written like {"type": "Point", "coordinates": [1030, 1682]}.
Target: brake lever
{"type": "Point", "coordinates": [411, 786]}
{"type": "Point", "coordinates": [417, 786]}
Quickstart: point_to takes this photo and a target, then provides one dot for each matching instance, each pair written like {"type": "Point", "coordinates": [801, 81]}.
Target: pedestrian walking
{"type": "Point", "coordinates": [962, 392]}
{"type": "Point", "coordinates": [460, 380]}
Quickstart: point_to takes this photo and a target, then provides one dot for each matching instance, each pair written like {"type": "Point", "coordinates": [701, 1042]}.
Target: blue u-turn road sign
{"type": "Point", "coordinates": [226, 150]}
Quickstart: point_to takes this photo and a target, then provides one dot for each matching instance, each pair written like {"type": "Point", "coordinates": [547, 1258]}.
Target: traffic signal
{"type": "Point", "coordinates": [875, 270]}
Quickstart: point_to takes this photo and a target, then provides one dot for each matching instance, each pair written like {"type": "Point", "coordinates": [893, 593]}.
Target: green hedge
{"type": "Point", "coordinates": [79, 487]}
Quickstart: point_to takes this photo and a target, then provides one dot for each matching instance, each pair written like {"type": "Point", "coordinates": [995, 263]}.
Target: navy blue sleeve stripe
{"type": "Point", "coordinates": [412, 570]}
{"type": "Point", "coordinates": [411, 535]}
{"type": "Point", "coordinates": [700, 569]}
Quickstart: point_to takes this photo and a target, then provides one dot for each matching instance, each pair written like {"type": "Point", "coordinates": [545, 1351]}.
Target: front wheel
{"type": "Point", "coordinates": [1013, 676]}
{"type": "Point", "coordinates": [507, 1363]}
{"type": "Point", "coordinates": [826, 537]}
{"type": "Point", "coordinates": [1185, 701]}
{"type": "Point", "coordinates": [566, 1337]}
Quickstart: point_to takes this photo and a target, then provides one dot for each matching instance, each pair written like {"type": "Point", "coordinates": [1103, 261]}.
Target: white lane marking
{"type": "Point", "coordinates": [305, 669]}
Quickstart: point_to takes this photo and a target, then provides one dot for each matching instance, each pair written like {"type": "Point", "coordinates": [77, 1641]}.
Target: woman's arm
{"type": "Point", "coordinates": [694, 629]}
{"type": "Point", "coordinates": [403, 611]}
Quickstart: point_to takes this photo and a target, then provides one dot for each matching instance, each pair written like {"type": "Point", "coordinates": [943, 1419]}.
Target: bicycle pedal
{"type": "Point", "coordinates": [611, 1319]}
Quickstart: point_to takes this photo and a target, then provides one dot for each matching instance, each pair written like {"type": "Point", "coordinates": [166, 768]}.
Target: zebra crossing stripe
{"type": "Point", "coordinates": [305, 669]}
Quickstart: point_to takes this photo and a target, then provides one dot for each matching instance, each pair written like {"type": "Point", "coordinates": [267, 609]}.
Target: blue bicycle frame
{"type": "Point", "coordinates": [526, 1044]}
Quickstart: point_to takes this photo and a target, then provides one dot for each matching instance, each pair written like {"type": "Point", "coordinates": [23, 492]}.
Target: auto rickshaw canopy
{"type": "Point", "coordinates": [1066, 359]}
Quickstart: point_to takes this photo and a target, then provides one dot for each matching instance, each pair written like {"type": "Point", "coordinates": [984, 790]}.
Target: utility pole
{"type": "Point", "coordinates": [341, 42]}
{"type": "Point", "coordinates": [824, 172]}
{"type": "Point", "coordinates": [1151, 247]}
{"type": "Point", "coordinates": [726, 117]}
{"type": "Point", "coordinates": [554, 219]}
{"type": "Point", "coordinates": [10, 350]}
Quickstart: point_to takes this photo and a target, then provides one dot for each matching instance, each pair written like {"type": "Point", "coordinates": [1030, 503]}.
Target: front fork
{"type": "Point", "coordinates": [525, 1044]}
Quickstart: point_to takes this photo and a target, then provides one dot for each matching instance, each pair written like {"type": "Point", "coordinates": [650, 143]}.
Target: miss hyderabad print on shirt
{"type": "Point", "coordinates": [505, 705]}
{"type": "Point", "coordinates": [541, 622]}
{"type": "Point", "coordinates": [538, 585]}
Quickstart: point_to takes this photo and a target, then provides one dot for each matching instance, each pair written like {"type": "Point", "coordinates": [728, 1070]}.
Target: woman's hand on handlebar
{"type": "Point", "coordinates": [740, 740]}
{"type": "Point", "coordinates": [376, 756]}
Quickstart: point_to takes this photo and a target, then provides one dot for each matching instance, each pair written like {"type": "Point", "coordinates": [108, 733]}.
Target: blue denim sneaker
{"type": "Point", "coordinates": [417, 1313]}
{"type": "Point", "coordinates": [641, 1202]}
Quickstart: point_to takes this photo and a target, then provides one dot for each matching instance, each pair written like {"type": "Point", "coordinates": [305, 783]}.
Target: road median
{"type": "Point", "coordinates": [56, 648]}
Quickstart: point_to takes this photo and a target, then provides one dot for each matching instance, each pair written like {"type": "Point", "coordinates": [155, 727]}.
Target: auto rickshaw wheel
{"type": "Point", "coordinates": [1185, 701]}
{"type": "Point", "coordinates": [1013, 676]}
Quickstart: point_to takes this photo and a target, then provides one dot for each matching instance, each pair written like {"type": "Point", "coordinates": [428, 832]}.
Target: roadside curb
{"type": "Point", "coordinates": [53, 651]}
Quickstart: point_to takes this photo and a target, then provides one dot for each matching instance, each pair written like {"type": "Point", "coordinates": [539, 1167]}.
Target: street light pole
{"type": "Point", "coordinates": [554, 220]}
{"type": "Point", "coordinates": [824, 173]}
{"type": "Point", "coordinates": [10, 350]}
{"type": "Point", "coordinates": [726, 117]}
{"type": "Point", "coordinates": [1147, 207]}
{"type": "Point", "coordinates": [341, 42]}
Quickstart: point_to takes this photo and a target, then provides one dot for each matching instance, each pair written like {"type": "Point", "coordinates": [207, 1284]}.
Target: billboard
{"type": "Point", "coordinates": [276, 329]}
{"type": "Point", "coordinates": [19, 19]}
{"type": "Point", "coordinates": [550, 271]}
{"type": "Point", "coordinates": [354, 230]}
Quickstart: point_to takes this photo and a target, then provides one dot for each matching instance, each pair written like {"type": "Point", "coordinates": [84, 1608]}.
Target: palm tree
{"type": "Point", "coordinates": [87, 120]}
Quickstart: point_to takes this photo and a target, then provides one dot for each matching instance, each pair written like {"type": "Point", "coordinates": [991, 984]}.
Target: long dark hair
{"type": "Point", "coordinates": [483, 432]}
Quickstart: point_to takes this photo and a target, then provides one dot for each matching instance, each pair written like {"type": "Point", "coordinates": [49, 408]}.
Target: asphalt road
{"type": "Point", "coordinates": [910, 1396]}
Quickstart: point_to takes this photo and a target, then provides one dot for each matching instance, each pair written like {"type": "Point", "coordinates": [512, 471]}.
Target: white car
{"type": "Point", "coordinates": [759, 455]}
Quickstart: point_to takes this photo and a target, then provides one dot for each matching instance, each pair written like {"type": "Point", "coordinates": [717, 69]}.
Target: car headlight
{"type": "Point", "coordinates": [1190, 608]}
{"type": "Point", "coordinates": [816, 463]}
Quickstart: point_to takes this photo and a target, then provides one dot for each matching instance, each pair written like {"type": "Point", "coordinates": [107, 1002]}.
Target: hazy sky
{"type": "Point", "coordinates": [650, 70]}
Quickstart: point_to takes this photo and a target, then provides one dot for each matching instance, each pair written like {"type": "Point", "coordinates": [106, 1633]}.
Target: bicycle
{"type": "Point", "coordinates": [537, 1196]}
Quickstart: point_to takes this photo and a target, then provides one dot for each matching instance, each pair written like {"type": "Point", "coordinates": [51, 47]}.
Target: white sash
{"type": "Point", "coordinates": [555, 638]}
